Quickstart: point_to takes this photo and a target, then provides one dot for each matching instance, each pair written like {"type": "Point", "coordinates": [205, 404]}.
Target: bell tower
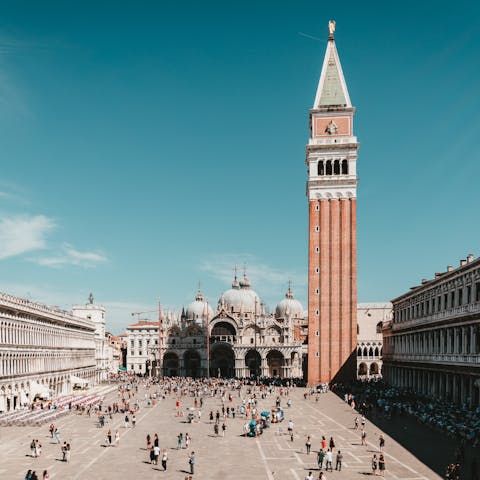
{"type": "Point", "coordinates": [331, 159]}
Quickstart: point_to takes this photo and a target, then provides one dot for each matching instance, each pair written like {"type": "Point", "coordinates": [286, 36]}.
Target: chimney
{"type": "Point", "coordinates": [463, 262]}
{"type": "Point", "coordinates": [449, 268]}
{"type": "Point", "coordinates": [470, 258]}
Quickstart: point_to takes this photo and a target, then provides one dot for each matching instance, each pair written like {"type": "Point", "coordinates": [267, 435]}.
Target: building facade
{"type": "Point", "coordinates": [371, 317]}
{"type": "Point", "coordinates": [331, 159]}
{"type": "Point", "coordinates": [432, 345]}
{"type": "Point", "coordinates": [243, 340]}
{"type": "Point", "coordinates": [96, 314]}
{"type": "Point", "coordinates": [42, 351]}
{"type": "Point", "coordinates": [142, 338]}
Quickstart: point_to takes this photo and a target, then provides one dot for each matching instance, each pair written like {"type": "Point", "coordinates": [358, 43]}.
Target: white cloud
{"type": "Point", "coordinates": [23, 233]}
{"type": "Point", "coordinates": [71, 256]}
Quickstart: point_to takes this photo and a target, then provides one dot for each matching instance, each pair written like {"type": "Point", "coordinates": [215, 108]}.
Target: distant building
{"type": "Point", "coordinates": [96, 314]}
{"type": "Point", "coordinates": [243, 339]}
{"type": "Point", "coordinates": [44, 351]}
{"type": "Point", "coordinates": [371, 317]}
{"type": "Point", "coordinates": [432, 345]}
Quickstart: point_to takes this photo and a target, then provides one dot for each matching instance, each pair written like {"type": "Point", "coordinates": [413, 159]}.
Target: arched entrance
{"type": "Point", "coordinates": [275, 362]}
{"type": "Point", "coordinates": [253, 362]}
{"type": "Point", "coordinates": [170, 364]}
{"type": "Point", "coordinates": [374, 369]}
{"type": "Point", "coordinates": [192, 363]}
{"type": "Point", "coordinates": [222, 361]}
{"type": "Point", "coordinates": [223, 332]}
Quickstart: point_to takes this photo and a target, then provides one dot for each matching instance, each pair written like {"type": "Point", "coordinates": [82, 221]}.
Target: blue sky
{"type": "Point", "coordinates": [146, 146]}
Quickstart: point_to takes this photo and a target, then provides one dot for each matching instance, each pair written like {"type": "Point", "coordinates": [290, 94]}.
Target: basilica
{"type": "Point", "coordinates": [243, 339]}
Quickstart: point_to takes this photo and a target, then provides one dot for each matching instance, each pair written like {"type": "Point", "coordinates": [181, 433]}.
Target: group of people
{"type": "Point", "coordinates": [32, 475]}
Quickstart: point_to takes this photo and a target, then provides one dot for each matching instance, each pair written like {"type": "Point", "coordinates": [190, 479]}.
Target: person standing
{"type": "Point", "coordinates": [338, 464]}
{"type": "Point", "coordinates": [156, 454]}
{"type": "Point", "coordinates": [331, 444]}
{"type": "Point", "coordinates": [164, 459]}
{"type": "Point", "coordinates": [374, 465]}
{"type": "Point", "coordinates": [187, 440]}
{"type": "Point", "coordinates": [109, 438]}
{"type": "Point", "coordinates": [134, 420]}
{"type": "Point", "coordinates": [33, 448]}
{"type": "Point", "coordinates": [320, 457]}
{"type": "Point", "coordinates": [191, 461]}
{"type": "Point", "coordinates": [68, 450]}
{"type": "Point", "coordinates": [381, 441]}
{"type": "Point", "coordinates": [224, 427]}
{"type": "Point", "coordinates": [46, 476]}
{"type": "Point", "coordinates": [309, 476]}
{"type": "Point", "coordinates": [324, 443]}
{"type": "Point", "coordinates": [356, 423]}
{"type": "Point", "coordinates": [308, 444]}
{"type": "Point", "coordinates": [381, 465]}
{"type": "Point", "coordinates": [127, 420]}
{"type": "Point", "coordinates": [117, 438]}
{"type": "Point", "coordinates": [179, 441]}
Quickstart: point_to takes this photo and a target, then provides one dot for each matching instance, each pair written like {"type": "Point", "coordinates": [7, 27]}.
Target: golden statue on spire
{"type": "Point", "coordinates": [331, 27]}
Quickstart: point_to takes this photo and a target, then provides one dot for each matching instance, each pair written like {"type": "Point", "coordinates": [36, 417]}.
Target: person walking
{"type": "Point", "coordinates": [308, 444]}
{"type": "Point", "coordinates": [156, 454]}
{"type": "Point", "coordinates": [322, 476]}
{"type": "Point", "coordinates": [117, 438]}
{"type": "Point", "coordinates": [33, 448]}
{"type": "Point", "coordinates": [164, 459]}
{"type": "Point", "coordinates": [356, 423]}
{"type": "Point", "coordinates": [191, 461]}
{"type": "Point", "coordinates": [320, 458]}
{"type": "Point", "coordinates": [45, 475]}
{"type": "Point", "coordinates": [64, 452]}
{"type": "Point", "coordinates": [324, 443]}
{"type": "Point", "coordinates": [134, 420]}
{"type": "Point", "coordinates": [109, 438]}
{"type": "Point", "coordinates": [179, 441]}
{"type": "Point", "coordinates": [56, 434]}
{"type": "Point", "coordinates": [329, 461]}
{"type": "Point", "coordinates": [364, 437]}
{"type": "Point", "coordinates": [68, 450]}
{"type": "Point", "coordinates": [374, 464]}
{"type": "Point", "coordinates": [127, 421]}
{"type": "Point", "coordinates": [224, 427]}
{"type": "Point", "coordinates": [339, 460]}
{"type": "Point", "coordinates": [381, 441]}
{"type": "Point", "coordinates": [381, 465]}
{"type": "Point", "coordinates": [187, 440]}
{"type": "Point", "coordinates": [309, 476]}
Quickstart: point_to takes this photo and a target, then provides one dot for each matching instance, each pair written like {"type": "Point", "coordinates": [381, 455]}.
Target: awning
{"type": "Point", "coordinates": [38, 390]}
{"type": "Point", "coordinates": [78, 381]}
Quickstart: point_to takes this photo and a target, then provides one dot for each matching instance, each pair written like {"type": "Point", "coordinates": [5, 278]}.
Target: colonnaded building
{"type": "Point", "coordinates": [44, 351]}
{"type": "Point", "coordinates": [243, 339]}
{"type": "Point", "coordinates": [432, 345]}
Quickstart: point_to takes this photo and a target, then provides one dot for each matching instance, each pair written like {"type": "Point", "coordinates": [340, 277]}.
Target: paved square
{"type": "Point", "coordinates": [271, 456]}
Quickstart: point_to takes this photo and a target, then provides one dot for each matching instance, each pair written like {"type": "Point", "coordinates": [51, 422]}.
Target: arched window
{"type": "Point", "coordinates": [359, 352]}
{"type": "Point", "coordinates": [344, 167]}
{"type": "Point", "coordinates": [336, 167]}
{"type": "Point", "coordinates": [379, 327]}
{"type": "Point", "coordinates": [376, 352]}
{"type": "Point", "coordinates": [329, 167]}
{"type": "Point", "coordinates": [370, 352]}
{"type": "Point", "coordinates": [320, 168]}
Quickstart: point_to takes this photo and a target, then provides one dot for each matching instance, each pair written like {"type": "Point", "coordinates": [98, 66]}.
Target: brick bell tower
{"type": "Point", "coordinates": [331, 159]}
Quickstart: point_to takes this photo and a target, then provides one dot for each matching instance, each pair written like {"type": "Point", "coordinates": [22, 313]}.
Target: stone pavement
{"type": "Point", "coordinates": [271, 456]}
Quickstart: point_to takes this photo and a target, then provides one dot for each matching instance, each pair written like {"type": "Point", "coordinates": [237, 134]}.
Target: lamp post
{"type": "Point", "coordinates": [208, 342]}
{"type": "Point", "coordinates": [255, 341]}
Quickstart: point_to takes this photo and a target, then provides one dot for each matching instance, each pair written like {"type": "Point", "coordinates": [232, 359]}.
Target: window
{"type": "Point", "coordinates": [344, 167]}
{"type": "Point", "coordinates": [173, 341]}
{"type": "Point", "coordinates": [251, 340]}
{"type": "Point", "coordinates": [433, 305]}
{"type": "Point", "coordinates": [320, 168]}
{"type": "Point", "coordinates": [140, 343]}
{"type": "Point", "coordinates": [194, 340]}
{"type": "Point", "coordinates": [445, 300]}
{"type": "Point", "coordinates": [379, 327]}
{"type": "Point", "coordinates": [317, 291]}
{"type": "Point", "coordinates": [139, 367]}
{"type": "Point", "coordinates": [317, 228]}
{"type": "Point", "coordinates": [477, 292]}
{"type": "Point", "coordinates": [452, 299]}
{"type": "Point", "coordinates": [329, 167]}
{"type": "Point", "coordinates": [132, 367]}
{"type": "Point", "coordinates": [317, 207]}
{"type": "Point", "coordinates": [132, 343]}
{"type": "Point", "coordinates": [317, 249]}
{"type": "Point", "coordinates": [460, 296]}
{"type": "Point", "coordinates": [469, 294]}
{"type": "Point", "coordinates": [336, 167]}
{"type": "Point", "coordinates": [156, 341]}
{"type": "Point", "coordinates": [140, 353]}
{"type": "Point", "coordinates": [317, 270]}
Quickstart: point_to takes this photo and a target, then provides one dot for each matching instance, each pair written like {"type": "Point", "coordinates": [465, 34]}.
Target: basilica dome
{"type": "Point", "coordinates": [198, 309]}
{"type": "Point", "coordinates": [240, 298]}
{"type": "Point", "coordinates": [289, 306]}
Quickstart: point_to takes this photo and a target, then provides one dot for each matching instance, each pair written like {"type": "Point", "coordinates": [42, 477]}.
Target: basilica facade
{"type": "Point", "coordinates": [242, 340]}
